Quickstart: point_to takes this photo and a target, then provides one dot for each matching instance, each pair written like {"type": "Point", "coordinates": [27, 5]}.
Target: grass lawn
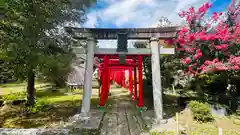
{"type": "Point", "coordinates": [10, 88]}
{"type": "Point", "coordinates": [51, 107]}
{"type": "Point", "coordinates": [227, 124]}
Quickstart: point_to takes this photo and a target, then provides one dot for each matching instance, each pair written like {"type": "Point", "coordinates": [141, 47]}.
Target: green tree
{"type": "Point", "coordinates": [146, 61]}
{"type": "Point", "coordinates": [6, 70]}
{"type": "Point", "coordinates": [32, 37]}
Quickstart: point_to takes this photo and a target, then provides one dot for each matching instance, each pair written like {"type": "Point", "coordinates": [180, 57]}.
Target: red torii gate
{"type": "Point", "coordinates": [107, 69]}
{"type": "Point", "coordinates": [117, 74]}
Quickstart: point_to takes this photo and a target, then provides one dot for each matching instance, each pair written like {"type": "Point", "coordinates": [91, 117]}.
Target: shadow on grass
{"type": "Point", "coordinates": [13, 84]}
{"type": "Point", "coordinates": [15, 116]}
{"type": "Point", "coordinates": [48, 93]}
{"type": "Point", "coordinates": [22, 84]}
{"type": "Point", "coordinates": [170, 106]}
{"type": "Point", "coordinates": [39, 94]}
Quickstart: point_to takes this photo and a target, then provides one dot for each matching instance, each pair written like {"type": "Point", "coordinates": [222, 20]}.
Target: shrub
{"type": "Point", "coordinates": [211, 83]}
{"type": "Point", "coordinates": [201, 111]}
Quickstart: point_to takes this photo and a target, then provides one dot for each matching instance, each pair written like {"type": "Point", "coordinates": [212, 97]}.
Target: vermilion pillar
{"type": "Point", "coordinates": [140, 82]}
{"type": "Point", "coordinates": [108, 84]}
{"type": "Point", "coordinates": [123, 79]}
{"type": "Point", "coordinates": [135, 83]}
{"type": "Point", "coordinates": [104, 82]}
{"type": "Point", "coordinates": [114, 76]}
{"type": "Point", "coordinates": [118, 78]}
{"type": "Point", "coordinates": [130, 81]}
{"type": "Point", "coordinates": [98, 70]}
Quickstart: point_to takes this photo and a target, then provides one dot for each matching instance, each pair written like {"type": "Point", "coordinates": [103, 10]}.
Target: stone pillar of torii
{"type": "Point", "coordinates": [86, 100]}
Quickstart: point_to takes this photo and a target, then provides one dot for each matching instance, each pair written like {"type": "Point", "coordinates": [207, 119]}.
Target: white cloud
{"type": "Point", "coordinates": [92, 20]}
{"type": "Point", "coordinates": [139, 13]}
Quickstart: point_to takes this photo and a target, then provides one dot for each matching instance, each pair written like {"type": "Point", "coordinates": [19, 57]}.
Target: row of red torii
{"type": "Point", "coordinates": [153, 35]}
{"type": "Point", "coordinates": [111, 70]}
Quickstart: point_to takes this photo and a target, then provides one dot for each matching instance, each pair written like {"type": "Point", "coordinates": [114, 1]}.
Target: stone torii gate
{"type": "Point", "coordinates": [122, 52]}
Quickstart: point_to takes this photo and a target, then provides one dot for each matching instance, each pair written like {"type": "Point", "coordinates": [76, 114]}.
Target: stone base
{"type": "Point", "coordinates": [102, 108]}
{"type": "Point", "coordinates": [162, 121]}
{"type": "Point", "coordinates": [90, 121]}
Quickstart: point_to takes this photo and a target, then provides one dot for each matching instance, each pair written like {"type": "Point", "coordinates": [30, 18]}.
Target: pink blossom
{"type": "Point", "coordinates": [207, 62]}
{"type": "Point", "coordinates": [211, 37]}
{"type": "Point", "coordinates": [219, 39]}
{"type": "Point", "coordinates": [215, 16]}
{"type": "Point", "coordinates": [198, 51]}
{"type": "Point", "coordinates": [192, 48]}
{"type": "Point", "coordinates": [238, 40]}
{"type": "Point", "coordinates": [234, 60]}
{"type": "Point", "coordinates": [195, 57]}
{"type": "Point", "coordinates": [187, 60]}
{"type": "Point", "coordinates": [190, 68]}
{"type": "Point", "coordinates": [219, 47]}
{"type": "Point", "coordinates": [215, 60]}
{"type": "Point", "coordinates": [184, 29]}
{"type": "Point", "coordinates": [202, 67]}
{"type": "Point", "coordinates": [192, 10]}
{"type": "Point", "coordinates": [191, 37]}
{"type": "Point", "coordinates": [181, 41]}
{"type": "Point", "coordinates": [224, 46]}
{"type": "Point", "coordinates": [218, 63]}
{"type": "Point", "coordinates": [169, 42]}
{"type": "Point", "coordinates": [182, 14]}
{"type": "Point", "coordinates": [189, 19]}
{"type": "Point", "coordinates": [199, 54]}
{"type": "Point", "coordinates": [211, 44]}
{"type": "Point", "coordinates": [188, 50]}
{"type": "Point", "coordinates": [204, 8]}
{"type": "Point", "coordinates": [221, 68]}
{"type": "Point", "coordinates": [235, 67]}
{"type": "Point", "coordinates": [202, 35]}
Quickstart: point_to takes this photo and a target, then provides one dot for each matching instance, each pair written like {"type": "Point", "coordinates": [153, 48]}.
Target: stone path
{"type": "Point", "coordinates": [123, 117]}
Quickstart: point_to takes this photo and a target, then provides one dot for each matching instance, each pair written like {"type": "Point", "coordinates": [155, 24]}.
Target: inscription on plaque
{"type": "Point", "coordinates": [122, 42]}
{"type": "Point", "coordinates": [122, 46]}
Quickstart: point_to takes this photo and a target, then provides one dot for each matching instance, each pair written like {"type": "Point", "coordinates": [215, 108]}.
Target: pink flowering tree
{"type": "Point", "coordinates": [210, 43]}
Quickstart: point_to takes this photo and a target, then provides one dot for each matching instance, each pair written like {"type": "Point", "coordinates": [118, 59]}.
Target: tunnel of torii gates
{"type": "Point", "coordinates": [111, 70]}
{"type": "Point", "coordinates": [122, 53]}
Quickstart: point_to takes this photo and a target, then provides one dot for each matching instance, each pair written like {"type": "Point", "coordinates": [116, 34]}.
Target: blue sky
{"type": "Point", "coordinates": [141, 13]}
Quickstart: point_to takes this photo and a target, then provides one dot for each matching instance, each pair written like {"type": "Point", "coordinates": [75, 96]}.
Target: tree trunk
{"type": "Point", "coordinates": [30, 88]}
